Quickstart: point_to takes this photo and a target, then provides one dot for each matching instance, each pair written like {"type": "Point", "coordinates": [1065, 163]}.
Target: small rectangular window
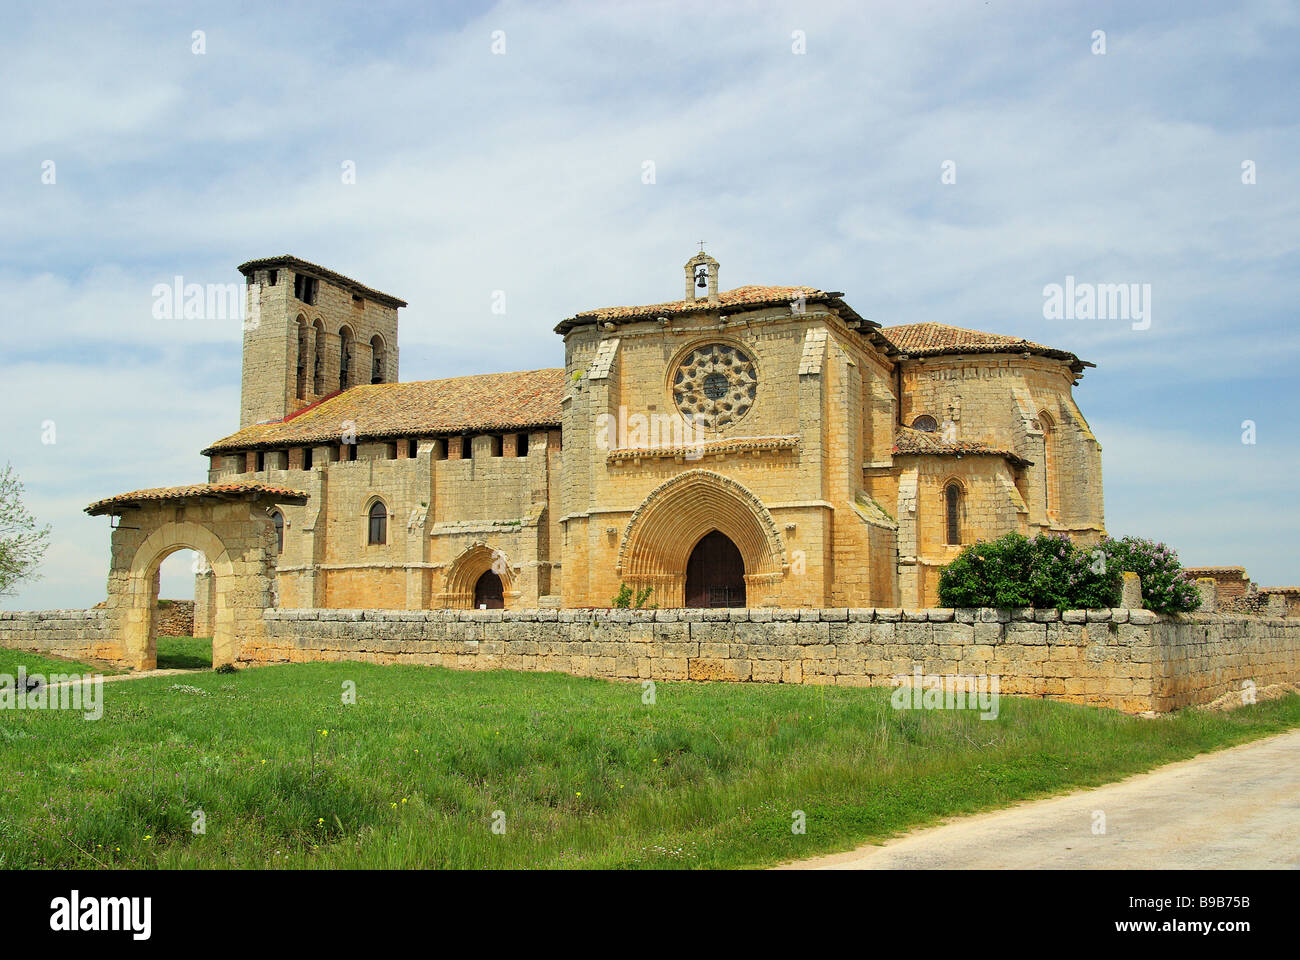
{"type": "Point", "coordinates": [306, 458]}
{"type": "Point", "coordinates": [521, 445]}
{"type": "Point", "coordinates": [391, 451]}
{"type": "Point", "coordinates": [261, 461]}
{"type": "Point", "coordinates": [440, 449]}
{"type": "Point", "coordinates": [412, 448]}
{"type": "Point", "coordinates": [496, 446]}
{"type": "Point", "coordinates": [271, 277]}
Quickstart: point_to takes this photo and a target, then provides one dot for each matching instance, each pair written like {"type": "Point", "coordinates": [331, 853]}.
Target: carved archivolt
{"type": "Point", "coordinates": [672, 519]}
{"type": "Point", "coordinates": [473, 562]}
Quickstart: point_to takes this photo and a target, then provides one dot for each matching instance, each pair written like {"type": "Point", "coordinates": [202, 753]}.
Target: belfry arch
{"type": "Point", "coordinates": [230, 524]}
{"type": "Point", "coordinates": [664, 530]}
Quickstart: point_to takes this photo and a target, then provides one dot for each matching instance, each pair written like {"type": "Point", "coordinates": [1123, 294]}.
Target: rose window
{"type": "Point", "coordinates": [715, 385]}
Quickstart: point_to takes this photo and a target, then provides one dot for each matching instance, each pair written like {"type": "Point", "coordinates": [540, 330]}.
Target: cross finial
{"type": "Point", "coordinates": [701, 242]}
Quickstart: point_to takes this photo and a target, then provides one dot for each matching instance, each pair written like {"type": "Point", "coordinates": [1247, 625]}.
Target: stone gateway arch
{"type": "Point", "coordinates": [230, 524]}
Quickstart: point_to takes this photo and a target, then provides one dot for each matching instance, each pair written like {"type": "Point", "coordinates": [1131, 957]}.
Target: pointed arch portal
{"type": "Point", "coordinates": [481, 574]}
{"type": "Point", "coordinates": [680, 515]}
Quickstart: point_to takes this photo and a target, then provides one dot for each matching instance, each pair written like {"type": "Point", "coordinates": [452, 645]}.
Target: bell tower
{"type": "Point", "coordinates": [702, 277]}
{"type": "Point", "coordinates": [311, 333]}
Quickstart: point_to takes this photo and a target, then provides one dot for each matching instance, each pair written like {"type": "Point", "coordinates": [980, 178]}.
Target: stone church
{"type": "Point", "coordinates": [759, 446]}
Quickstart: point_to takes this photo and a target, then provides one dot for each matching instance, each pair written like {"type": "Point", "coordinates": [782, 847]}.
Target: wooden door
{"type": "Point", "coordinates": [715, 573]}
{"type": "Point", "coordinates": [488, 593]}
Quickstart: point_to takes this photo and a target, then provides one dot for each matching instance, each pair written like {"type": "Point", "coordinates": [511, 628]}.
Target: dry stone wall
{"type": "Point", "coordinates": [74, 634]}
{"type": "Point", "coordinates": [176, 618]}
{"type": "Point", "coordinates": [1131, 660]}
{"type": "Point", "coordinates": [1201, 657]}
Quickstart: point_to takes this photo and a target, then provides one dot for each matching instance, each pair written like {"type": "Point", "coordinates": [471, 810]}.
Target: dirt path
{"type": "Point", "coordinates": [137, 675]}
{"type": "Point", "coordinates": [1233, 809]}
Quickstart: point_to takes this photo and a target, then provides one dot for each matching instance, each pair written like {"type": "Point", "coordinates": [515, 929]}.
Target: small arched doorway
{"type": "Point", "coordinates": [147, 576]}
{"type": "Point", "coordinates": [489, 593]}
{"type": "Point", "coordinates": [715, 573]}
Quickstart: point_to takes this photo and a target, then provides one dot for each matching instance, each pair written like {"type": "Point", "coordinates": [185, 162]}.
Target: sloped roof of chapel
{"type": "Point", "coordinates": [909, 441]}
{"type": "Point", "coordinates": [478, 403]}
{"type": "Point", "coordinates": [751, 297]}
{"type": "Point", "coordinates": [937, 339]}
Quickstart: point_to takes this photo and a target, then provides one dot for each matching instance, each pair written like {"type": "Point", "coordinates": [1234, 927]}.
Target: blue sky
{"type": "Point", "coordinates": [522, 172]}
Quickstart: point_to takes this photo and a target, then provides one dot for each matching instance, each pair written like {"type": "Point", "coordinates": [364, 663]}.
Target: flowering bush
{"type": "Point", "coordinates": [1069, 577]}
{"type": "Point", "coordinates": [1014, 571]}
{"type": "Point", "coordinates": [1166, 586]}
{"type": "Point", "coordinates": [1050, 571]}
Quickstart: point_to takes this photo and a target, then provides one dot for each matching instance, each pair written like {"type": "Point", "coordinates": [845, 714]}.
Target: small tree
{"type": "Point", "coordinates": [626, 599]}
{"type": "Point", "coordinates": [22, 543]}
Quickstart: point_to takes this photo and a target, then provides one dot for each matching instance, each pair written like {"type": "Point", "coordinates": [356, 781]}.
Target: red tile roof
{"type": "Point", "coordinates": [926, 443]}
{"type": "Point", "coordinates": [231, 489]}
{"type": "Point", "coordinates": [486, 402]}
{"type": "Point", "coordinates": [741, 298]}
{"type": "Point", "coordinates": [937, 339]}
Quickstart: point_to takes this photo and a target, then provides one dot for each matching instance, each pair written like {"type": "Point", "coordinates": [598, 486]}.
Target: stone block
{"type": "Point", "coordinates": [1131, 591]}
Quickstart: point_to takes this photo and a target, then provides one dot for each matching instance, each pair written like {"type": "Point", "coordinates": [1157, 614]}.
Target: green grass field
{"type": "Point", "coordinates": [10, 660]}
{"type": "Point", "coordinates": [184, 653]}
{"type": "Point", "coordinates": [583, 774]}
{"type": "Point", "coordinates": [175, 653]}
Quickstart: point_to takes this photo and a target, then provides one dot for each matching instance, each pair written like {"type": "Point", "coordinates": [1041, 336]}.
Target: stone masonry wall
{"type": "Point", "coordinates": [1230, 582]}
{"type": "Point", "coordinates": [1130, 660]}
{"type": "Point", "coordinates": [74, 634]}
{"type": "Point", "coordinates": [1203, 656]}
{"type": "Point", "coordinates": [175, 618]}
